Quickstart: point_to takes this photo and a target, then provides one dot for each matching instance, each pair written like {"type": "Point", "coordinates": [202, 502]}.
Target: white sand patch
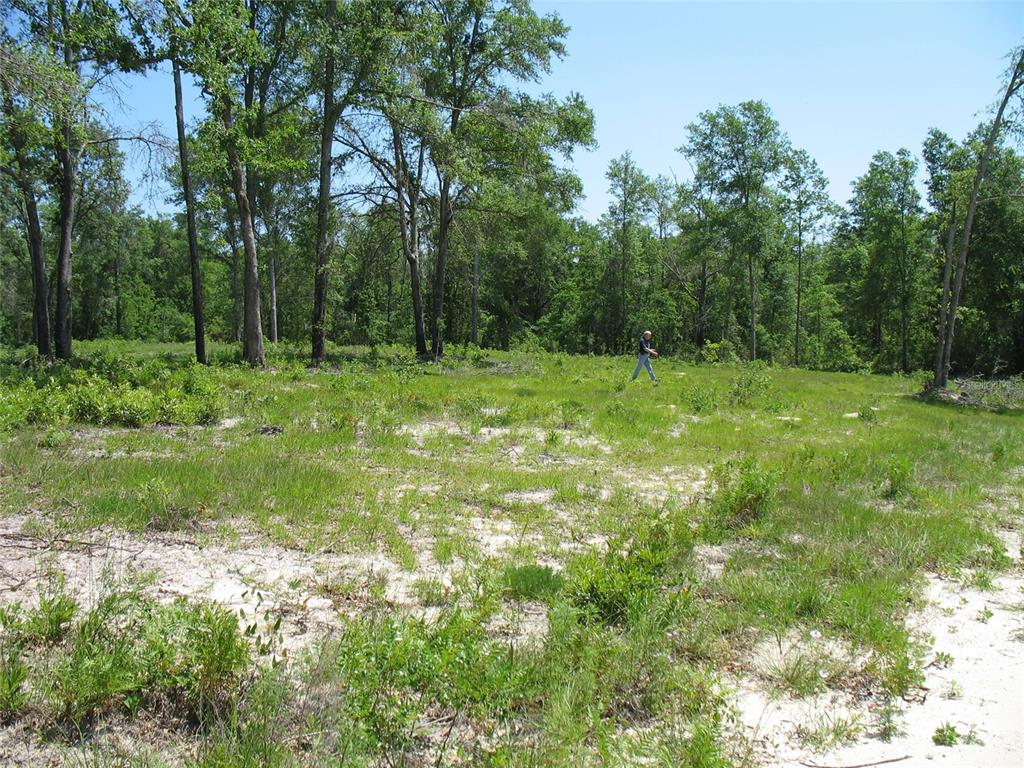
{"type": "Point", "coordinates": [711, 559]}
{"type": "Point", "coordinates": [589, 441]}
{"type": "Point", "coordinates": [251, 576]}
{"type": "Point", "coordinates": [683, 483]}
{"type": "Point", "coordinates": [980, 692]}
{"type": "Point", "coordinates": [536, 496]}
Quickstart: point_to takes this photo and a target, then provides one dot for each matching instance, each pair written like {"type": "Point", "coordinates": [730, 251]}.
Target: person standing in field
{"type": "Point", "coordinates": [647, 351]}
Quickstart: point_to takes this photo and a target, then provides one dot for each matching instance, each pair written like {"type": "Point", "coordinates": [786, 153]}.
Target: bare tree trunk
{"type": "Point", "coordinates": [272, 269]}
{"type": "Point", "coordinates": [753, 307]}
{"type": "Point", "coordinates": [475, 298]}
{"type": "Point", "coordinates": [236, 293]}
{"type": "Point", "coordinates": [198, 319]}
{"type": "Point", "coordinates": [799, 287]}
{"type": "Point", "coordinates": [446, 215]}
{"type": "Point", "coordinates": [34, 237]}
{"type": "Point", "coordinates": [118, 305]}
{"type": "Point", "coordinates": [62, 324]}
{"type": "Point", "coordinates": [323, 240]}
{"type": "Point", "coordinates": [1015, 83]}
{"type": "Point", "coordinates": [947, 272]}
{"type": "Point", "coordinates": [407, 193]}
{"type": "Point", "coordinates": [253, 350]}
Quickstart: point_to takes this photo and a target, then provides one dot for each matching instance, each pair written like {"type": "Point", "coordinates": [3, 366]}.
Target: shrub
{"type": "Point", "coordinates": [617, 586]}
{"type": "Point", "coordinates": [718, 352]}
{"type": "Point", "coordinates": [751, 383]}
{"type": "Point", "coordinates": [532, 582]}
{"type": "Point", "coordinates": [13, 673]}
{"type": "Point", "coordinates": [743, 492]}
{"type": "Point", "coordinates": [898, 478]}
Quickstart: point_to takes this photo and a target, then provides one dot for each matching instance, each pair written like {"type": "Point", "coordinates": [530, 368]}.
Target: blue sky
{"type": "Point", "coordinates": [844, 80]}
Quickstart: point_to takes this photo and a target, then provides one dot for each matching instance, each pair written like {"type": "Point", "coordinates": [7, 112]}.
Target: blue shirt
{"type": "Point", "coordinates": [645, 346]}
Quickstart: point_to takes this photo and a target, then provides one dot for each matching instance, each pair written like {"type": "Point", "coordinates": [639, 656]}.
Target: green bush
{"type": "Point", "coordinates": [743, 493]}
{"type": "Point", "coordinates": [751, 383]}
{"type": "Point", "coordinates": [532, 582]}
{"type": "Point", "coordinates": [13, 674]}
{"type": "Point", "coordinates": [615, 587]}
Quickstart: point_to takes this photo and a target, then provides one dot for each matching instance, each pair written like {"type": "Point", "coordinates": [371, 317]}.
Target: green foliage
{"type": "Point", "coordinates": [744, 492]}
{"type": "Point", "coordinates": [126, 652]}
{"type": "Point", "coordinates": [532, 582]}
{"type": "Point", "coordinates": [752, 382]}
{"type": "Point", "coordinates": [13, 673]}
{"type": "Point", "coordinates": [618, 586]}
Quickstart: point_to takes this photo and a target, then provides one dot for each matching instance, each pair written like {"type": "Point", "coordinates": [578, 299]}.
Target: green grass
{"type": "Point", "coordinates": [524, 479]}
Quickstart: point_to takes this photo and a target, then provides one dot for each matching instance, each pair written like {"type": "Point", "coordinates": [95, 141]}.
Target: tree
{"type": "Point", "coordinates": [740, 150]}
{"type": "Point", "coordinates": [220, 47]}
{"type": "Point", "coordinates": [24, 136]}
{"type": "Point", "coordinates": [632, 202]}
{"type": "Point", "coordinates": [473, 49]}
{"type": "Point", "coordinates": [949, 300]}
{"type": "Point", "coordinates": [806, 204]}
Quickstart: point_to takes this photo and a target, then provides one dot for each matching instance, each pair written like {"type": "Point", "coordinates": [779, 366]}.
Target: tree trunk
{"type": "Point", "coordinates": [408, 227]}
{"type": "Point", "coordinates": [118, 305]}
{"type": "Point", "coordinates": [475, 298]}
{"type": "Point", "coordinates": [753, 307]}
{"type": "Point", "coordinates": [236, 293]}
{"type": "Point", "coordinates": [198, 320]}
{"type": "Point", "coordinates": [253, 350]}
{"type": "Point", "coordinates": [323, 240]}
{"type": "Point", "coordinates": [68, 161]}
{"type": "Point", "coordinates": [62, 324]}
{"type": "Point", "coordinates": [799, 288]}
{"type": "Point", "coordinates": [1016, 81]}
{"type": "Point", "coordinates": [34, 237]}
{"type": "Point", "coordinates": [272, 269]}
{"type": "Point", "coordinates": [443, 236]}
{"type": "Point", "coordinates": [947, 272]}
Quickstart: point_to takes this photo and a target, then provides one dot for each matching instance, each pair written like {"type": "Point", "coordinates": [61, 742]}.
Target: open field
{"type": "Point", "coordinates": [501, 560]}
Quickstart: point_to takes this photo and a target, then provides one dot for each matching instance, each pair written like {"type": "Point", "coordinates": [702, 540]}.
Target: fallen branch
{"type": "Point", "coordinates": [859, 765]}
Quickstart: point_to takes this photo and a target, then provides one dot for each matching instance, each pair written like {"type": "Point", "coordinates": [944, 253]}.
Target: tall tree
{"type": "Point", "coordinates": [221, 46]}
{"type": "Point", "coordinates": [950, 297]}
{"type": "Point", "coordinates": [474, 49]}
{"type": "Point", "coordinates": [742, 149]}
{"type": "Point", "coordinates": [807, 203]}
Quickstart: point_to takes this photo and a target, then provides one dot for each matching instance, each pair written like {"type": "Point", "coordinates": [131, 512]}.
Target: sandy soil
{"type": "Point", "coordinates": [974, 681]}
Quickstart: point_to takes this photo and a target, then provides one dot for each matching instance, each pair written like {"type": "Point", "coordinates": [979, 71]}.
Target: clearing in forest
{"type": "Point", "coordinates": [501, 560]}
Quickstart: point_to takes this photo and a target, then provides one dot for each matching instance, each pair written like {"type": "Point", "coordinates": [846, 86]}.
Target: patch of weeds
{"type": "Point", "coordinates": [799, 674]}
{"type": "Point", "coordinates": [154, 499]}
{"type": "Point", "coordinates": [531, 582]}
{"type": "Point", "coordinates": [572, 412]}
{"type": "Point", "coordinates": [984, 615]}
{"type": "Point", "coordinates": [700, 399]}
{"type": "Point", "coordinates": [899, 478]}
{"type": "Point", "coordinates": [752, 383]}
{"type": "Point", "coordinates": [744, 492]}
{"type": "Point", "coordinates": [947, 735]}
{"type": "Point", "coordinates": [942, 660]}
{"type": "Point", "coordinates": [620, 584]}
{"type": "Point", "coordinates": [828, 732]}
{"type": "Point", "coordinates": [432, 591]}
{"type": "Point", "coordinates": [54, 438]}
{"type": "Point", "coordinates": [13, 673]}
{"type": "Point", "coordinates": [890, 721]}
{"type": "Point", "coordinates": [953, 691]}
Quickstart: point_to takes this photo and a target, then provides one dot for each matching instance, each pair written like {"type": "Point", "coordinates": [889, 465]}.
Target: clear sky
{"type": "Point", "coordinates": [844, 80]}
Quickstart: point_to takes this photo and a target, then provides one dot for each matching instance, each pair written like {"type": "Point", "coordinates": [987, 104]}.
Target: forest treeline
{"type": "Point", "coordinates": [389, 171]}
